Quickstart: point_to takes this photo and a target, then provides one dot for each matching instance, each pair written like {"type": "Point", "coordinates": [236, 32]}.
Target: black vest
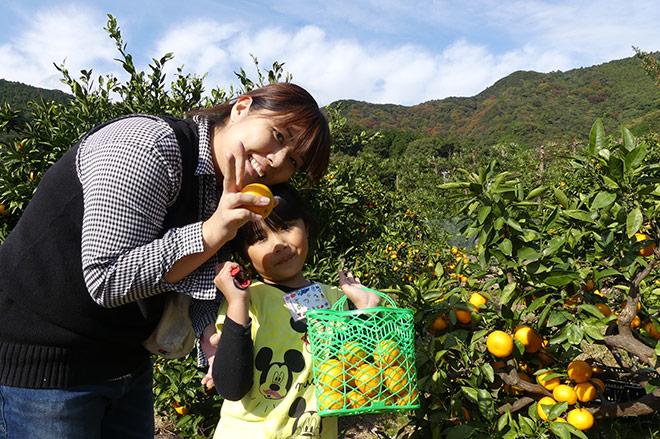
{"type": "Point", "coordinates": [52, 333]}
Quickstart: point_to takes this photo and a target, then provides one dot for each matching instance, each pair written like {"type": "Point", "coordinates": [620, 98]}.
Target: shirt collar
{"type": "Point", "coordinates": [205, 161]}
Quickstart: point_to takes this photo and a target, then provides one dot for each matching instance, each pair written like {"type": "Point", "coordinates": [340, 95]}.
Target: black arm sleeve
{"type": "Point", "coordinates": [233, 365]}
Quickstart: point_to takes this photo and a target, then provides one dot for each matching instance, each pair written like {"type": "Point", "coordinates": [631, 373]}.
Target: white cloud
{"type": "Point", "coordinates": [66, 34]}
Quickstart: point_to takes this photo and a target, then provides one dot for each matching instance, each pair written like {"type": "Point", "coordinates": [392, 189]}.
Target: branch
{"type": "Point", "coordinates": [645, 405]}
{"type": "Point", "coordinates": [519, 404]}
{"type": "Point", "coordinates": [510, 377]}
{"type": "Point", "coordinates": [629, 343]}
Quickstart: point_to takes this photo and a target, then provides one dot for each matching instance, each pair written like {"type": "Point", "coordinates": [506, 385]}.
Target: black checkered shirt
{"type": "Point", "coordinates": [130, 172]}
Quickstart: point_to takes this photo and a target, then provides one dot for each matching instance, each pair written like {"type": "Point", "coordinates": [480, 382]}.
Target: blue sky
{"type": "Point", "coordinates": [383, 51]}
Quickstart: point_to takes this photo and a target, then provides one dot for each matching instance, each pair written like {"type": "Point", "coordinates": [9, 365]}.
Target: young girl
{"type": "Point", "coordinates": [265, 375]}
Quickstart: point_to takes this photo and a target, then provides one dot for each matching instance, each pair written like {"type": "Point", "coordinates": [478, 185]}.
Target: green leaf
{"type": "Point", "coordinates": [602, 274]}
{"type": "Point", "coordinates": [634, 222]}
{"type": "Point", "coordinates": [561, 197]}
{"type": "Point", "coordinates": [454, 185]}
{"type": "Point", "coordinates": [609, 182]}
{"type": "Point", "coordinates": [603, 199]}
{"type": "Point", "coordinates": [472, 394]}
{"type": "Point", "coordinates": [536, 192]}
{"type": "Point", "coordinates": [483, 214]}
{"type": "Point", "coordinates": [596, 137]}
{"type": "Point", "coordinates": [595, 332]}
{"type": "Point", "coordinates": [513, 224]}
{"type": "Point", "coordinates": [557, 318]}
{"type": "Point", "coordinates": [507, 293]}
{"type": "Point", "coordinates": [555, 244]}
{"type": "Point", "coordinates": [560, 429]}
{"type": "Point", "coordinates": [635, 157]}
{"type": "Point", "coordinates": [488, 372]}
{"type": "Point", "coordinates": [628, 139]}
{"type": "Point", "coordinates": [575, 334]}
{"type": "Point", "coordinates": [503, 422]}
{"type": "Point", "coordinates": [506, 247]}
{"type": "Point", "coordinates": [580, 215]}
{"type": "Point", "coordinates": [591, 309]}
{"type": "Point", "coordinates": [486, 404]}
{"type": "Point", "coordinates": [561, 279]}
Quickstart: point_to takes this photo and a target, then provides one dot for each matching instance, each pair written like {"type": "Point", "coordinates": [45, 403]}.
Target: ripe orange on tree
{"type": "Point", "coordinates": [635, 322]}
{"type": "Point", "coordinates": [647, 249]}
{"type": "Point", "coordinates": [463, 316]}
{"type": "Point", "coordinates": [386, 353]}
{"type": "Point", "coordinates": [529, 338]}
{"type": "Point", "coordinates": [3, 209]}
{"type": "Point", "coordinates": [564, 393]}
{"type": "Point", "coordinates": [477, 300]}
{"type": "Point", "coordinates": [499, 343]}
{"type": "Point", "coordinates": [580, 418]}
{"type": "Point", "coordinates": [653, 329]}
{"type": "Point", "coordinates": [439, 324]}
{"type": "Point", "coordinates": [579, 371]}
{"type": "Point", "coordinates": [180, 409]}
{"type": "Point", "coordinates": [589, 285]}
{"type": "Point", "coordinates": [604, 309]}
{"type": "Point", "coordinates": [544, 406]}
{"type": "Point", "coordinates": [586, 392]}
{"type": "Point", "coordinates": [548, 383]}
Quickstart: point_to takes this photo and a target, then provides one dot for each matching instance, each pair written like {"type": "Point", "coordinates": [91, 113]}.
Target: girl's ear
{"type": "Point", "coordinates": [240, 108]}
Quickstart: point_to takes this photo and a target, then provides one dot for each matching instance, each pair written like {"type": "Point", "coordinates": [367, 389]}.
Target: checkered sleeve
{"type": "Point", "coordinates": [130, 172]}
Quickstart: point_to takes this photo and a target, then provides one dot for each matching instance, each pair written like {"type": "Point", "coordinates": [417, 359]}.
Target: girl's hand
{"type": "Point", "coordinates": [225, 283]}
{"type": "Point", "coordinates": [352, 287]}
{"type": "Point", "coordinates": [238, 300]}
{"type": "Point", "coordinates": [231, 212]}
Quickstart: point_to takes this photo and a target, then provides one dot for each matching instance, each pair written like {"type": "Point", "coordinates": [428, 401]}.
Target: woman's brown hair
{"type": "Point", "coordinates": [294, 107]}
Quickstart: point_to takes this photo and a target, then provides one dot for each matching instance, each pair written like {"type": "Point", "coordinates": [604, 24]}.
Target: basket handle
{"type": "Point", "coordinates": [339, 304]}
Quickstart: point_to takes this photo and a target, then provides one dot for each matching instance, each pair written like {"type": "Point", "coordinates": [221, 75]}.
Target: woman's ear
{"type": "Point", "coordinates": [240, 108]}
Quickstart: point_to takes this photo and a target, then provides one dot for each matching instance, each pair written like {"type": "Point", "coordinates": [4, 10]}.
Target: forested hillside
{"type": "Point", "coordinates": [18, 95]}
{"type": "Point", "coordinates": [528, 107]}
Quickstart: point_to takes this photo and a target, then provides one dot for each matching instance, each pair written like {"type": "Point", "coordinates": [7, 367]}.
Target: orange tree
{"type": "Point", "coordinates": [560, 275]}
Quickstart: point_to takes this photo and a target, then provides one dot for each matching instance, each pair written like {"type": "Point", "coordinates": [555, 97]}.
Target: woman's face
{"type": "Point", "coordinates": [269, 157]}
{"type": "Point", "coordinates": [279, 256]}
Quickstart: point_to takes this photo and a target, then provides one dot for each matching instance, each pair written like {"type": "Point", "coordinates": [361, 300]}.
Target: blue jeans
{"type": "Point", "coordinates": [121, 408]}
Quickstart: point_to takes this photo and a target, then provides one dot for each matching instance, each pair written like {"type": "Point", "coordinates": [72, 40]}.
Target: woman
{"type": "Point", "coordinates": [141, 206]}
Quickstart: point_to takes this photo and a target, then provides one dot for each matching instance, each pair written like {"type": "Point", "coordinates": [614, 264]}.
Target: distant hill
{"type": "Point", "coordinates": [529, 107]}
{"type": "Point", "coordinates": [18, 94]}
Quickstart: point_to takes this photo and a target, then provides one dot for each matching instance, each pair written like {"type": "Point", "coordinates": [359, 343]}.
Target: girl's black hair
{"type": "Point", "coordinates": [290, 207]}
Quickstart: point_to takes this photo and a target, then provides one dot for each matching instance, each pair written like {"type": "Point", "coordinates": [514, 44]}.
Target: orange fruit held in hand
{"type": "Point", "coordinates": [544, 406]}
{"type": "Point", "coordinates": [548, 383]}
{"type": "Point", "coordinates": [499, 343]}
{"type": "Point", "coordinates": [395, 379]}
{"type": "Point", "coordinates": [564, 393]}
{"type": "Point", "coordinates": [367, 379]}
{"type": "Point", "coordinates": [331, 400]}
{"type": "Point", "coordinates": [579, 371]}
{"type": "Point", "coordinates": [529, 338]}
{"type": "Point", "coordinates": [386, 353]}
{"type": "Point", "coordinates": [580, 418]}
{"type": "Point", "coordinates": [331, 374]}
{"type": "Point", "coordinates": [586, 392]}
{"type": "Point", "coordinates": [260, 190]}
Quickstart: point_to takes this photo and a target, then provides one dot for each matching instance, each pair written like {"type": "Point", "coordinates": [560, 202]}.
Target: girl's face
{"type": "Point", "coordinates": [269, 155]}
{"type": "Point", "coordinates": [279, 256]}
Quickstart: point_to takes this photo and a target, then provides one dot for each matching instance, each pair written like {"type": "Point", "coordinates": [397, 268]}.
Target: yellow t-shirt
{"type": "Point", "coordinates": [281, 402]}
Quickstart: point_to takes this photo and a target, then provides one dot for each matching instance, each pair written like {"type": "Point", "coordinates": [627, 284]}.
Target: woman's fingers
{"type": "Point", "coordinates": [229, 175]}
{"type": "Point", "coordinates": [239, 165]}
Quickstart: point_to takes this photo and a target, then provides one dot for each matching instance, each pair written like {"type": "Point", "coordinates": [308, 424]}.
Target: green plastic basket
{"type": "Point", "coordinates": [363, 361]}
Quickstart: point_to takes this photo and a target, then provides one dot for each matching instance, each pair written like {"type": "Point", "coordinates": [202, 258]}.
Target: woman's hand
{"type": "Point", "coordinates": [209, 343]}
{"type": "Point", "coordinates": [231, 212]}
{"type": "Point", "coordinates": [238, 300]}
{"type": "Point", "coordinates": [355, 291]}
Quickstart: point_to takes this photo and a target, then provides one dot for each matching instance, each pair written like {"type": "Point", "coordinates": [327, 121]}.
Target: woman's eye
{"type": "Point", "coordinates": [278, 136]}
